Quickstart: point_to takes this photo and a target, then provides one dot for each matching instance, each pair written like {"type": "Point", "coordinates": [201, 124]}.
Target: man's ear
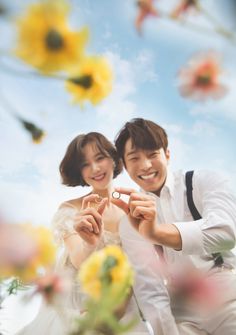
{"type": "Point", "coordinates": [167, 153]}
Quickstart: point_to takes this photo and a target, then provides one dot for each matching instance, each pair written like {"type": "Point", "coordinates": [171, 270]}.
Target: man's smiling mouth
{"type": "Point", "coordinates": [148, 176]}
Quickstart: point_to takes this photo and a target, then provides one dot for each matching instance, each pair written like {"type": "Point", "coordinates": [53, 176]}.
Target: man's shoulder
{"type": "Point", "coordinates": [208, 178]}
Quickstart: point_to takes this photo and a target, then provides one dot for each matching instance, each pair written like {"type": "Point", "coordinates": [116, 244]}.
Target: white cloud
{"type": "Point", "coordinates": [202, 128]}
{"type": "Point", "coordinates": [119, 107]}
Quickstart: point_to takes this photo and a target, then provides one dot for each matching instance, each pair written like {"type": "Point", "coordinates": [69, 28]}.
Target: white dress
{"type": "Point", "coordinates": [53, 321]}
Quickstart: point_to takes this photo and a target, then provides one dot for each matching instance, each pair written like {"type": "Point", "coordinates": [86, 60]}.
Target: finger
{"type": "Point", "coordinates": [144, 212]}
{"type": "Point", "coordinates": [87, 231]}
{"type": "Point", "coordinates": [102, 206]}
{"type": "Point", "coordinates": [121, 204]}
{"type": "Point", "coordinates": [135, 203]}
{"type": "Point", "coordinates": [92, 211]}
{"type": "Point", "coordinates": [123, 190]}
{"type": "Point", "coordinates": [83, 225]}
{"type": "Point", "coordinates": [89, 198]}
{"type": "Point", "coordinates": [95, 226]}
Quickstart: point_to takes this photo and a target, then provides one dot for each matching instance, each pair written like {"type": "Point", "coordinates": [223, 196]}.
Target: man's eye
{"type": "Point", "coordinates": [133, 159]}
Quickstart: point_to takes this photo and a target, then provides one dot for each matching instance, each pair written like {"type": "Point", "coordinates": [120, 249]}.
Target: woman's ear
{"type": "Point", "coordinates": [167, 153]}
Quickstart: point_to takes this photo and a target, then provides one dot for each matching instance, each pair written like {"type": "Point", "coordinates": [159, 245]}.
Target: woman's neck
{"type": "Point", "coordinates": [106, 193]}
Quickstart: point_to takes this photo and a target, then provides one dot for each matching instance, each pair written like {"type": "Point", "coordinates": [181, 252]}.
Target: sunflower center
{"type": "Point", "coordinates": [85, 81]}
{"type": "Point", "coordinates": [203, 79]}
{"type": "Point", "coordinates": [54, 40]}
{"type": "Point", "coordinates": [107, 266]}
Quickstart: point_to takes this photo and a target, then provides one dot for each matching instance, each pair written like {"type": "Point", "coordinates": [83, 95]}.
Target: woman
{"type": "Point", "coordinates": [84, 224]}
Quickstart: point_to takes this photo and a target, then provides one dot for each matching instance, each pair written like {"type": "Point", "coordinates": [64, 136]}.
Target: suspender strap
{"type": "Point", "coordinates": [218, 259]}
{"type": "Point", "coordinates": [189, 187]}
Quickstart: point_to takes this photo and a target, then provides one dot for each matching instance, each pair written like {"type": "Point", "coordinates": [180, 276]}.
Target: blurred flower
{"type": "Point", "coordinates": [17, 249]}
{"type": "Point", "coordinates": [3, 9]}
{"type": "Point", "coordinates": [146, 9]}
{"type": "Point", "coordinates": [43, 238]}
{"type": "Point", "coordinates": [183, 7]}
{"type": "Point", "coordinates": [194, 287]}
{"type": "Point", "coordinates": [45, 40]}
{"type": "Point", "coordinates": [200, 78]}
{"type": "Point", "coordinates": [106, 277]}
{"type": "Point", "coordinates": [92, 82]}
{"type": "Point", "coordinates": [36, 133]}
{"type": "Point", "coordinates": [107, 269]}
{"type": "Point", "coordinates": [50, 286]}
{"type": "Point", "coordinates": [27, 250]}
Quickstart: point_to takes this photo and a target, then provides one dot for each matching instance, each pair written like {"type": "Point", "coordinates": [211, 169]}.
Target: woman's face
{"type": "Point", "coordinates": [97, 169]}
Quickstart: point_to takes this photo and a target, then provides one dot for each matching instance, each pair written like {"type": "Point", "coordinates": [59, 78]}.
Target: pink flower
{"type": "Point", "coordinates": [183, 7]}
{"type": "Point", "coordinates": [194, 287]}
{"type": "Point", "coordinates": [16, 248]}
{"type": "Point", "coordinates": [200, 78]}
{"type": "Point", "coordinates": [50, 285]}
{"type": "Point", "coordinates": [146, 9]}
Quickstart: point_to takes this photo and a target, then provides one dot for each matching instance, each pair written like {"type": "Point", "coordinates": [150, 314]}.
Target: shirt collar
{"type": "Point", "coordinates": [170, 182]}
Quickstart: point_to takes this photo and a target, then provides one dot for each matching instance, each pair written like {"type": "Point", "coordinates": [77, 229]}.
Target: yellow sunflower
{"type": "Point", "coordinates": [46, 252]}
{"type": "Point", "coordinates": [92, 81]}
{"type": "Point", "coordinates": [106, 270]}
{"type": "Point", "coordinates": [45, 40]}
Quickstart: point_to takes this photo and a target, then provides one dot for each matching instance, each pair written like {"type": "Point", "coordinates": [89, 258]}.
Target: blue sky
{"type": "Point", "coordinates": [202, 135]}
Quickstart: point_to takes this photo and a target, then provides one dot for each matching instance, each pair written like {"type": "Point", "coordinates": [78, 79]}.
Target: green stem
{"type": "Point", "coordinates": [29, 74]}
{"type": "Point", "coordinates": [217, 25]}
{"type": "Point", "coordinates": [219, 30]}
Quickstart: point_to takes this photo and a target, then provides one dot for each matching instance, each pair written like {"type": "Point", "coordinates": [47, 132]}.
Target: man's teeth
{"type": "Point", "coordinates": [149, 176]}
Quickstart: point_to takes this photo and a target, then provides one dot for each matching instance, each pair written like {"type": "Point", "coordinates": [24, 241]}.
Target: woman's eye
{"type": "Point", "coordinates": [100, 158]}
{"type": "Point", "coordinates": [133, 159]}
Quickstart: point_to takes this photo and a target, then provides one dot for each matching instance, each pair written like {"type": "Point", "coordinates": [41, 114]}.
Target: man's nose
{"type": "Point", "coordinates": [146, 164]}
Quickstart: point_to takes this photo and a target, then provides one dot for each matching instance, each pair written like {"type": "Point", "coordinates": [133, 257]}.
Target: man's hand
{"type": "Point", "coordinates": [141, 212]}
{"type": "Point", "coordinates": [88, 222]}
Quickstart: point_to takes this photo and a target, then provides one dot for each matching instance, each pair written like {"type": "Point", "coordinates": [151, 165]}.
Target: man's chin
{"type": "Point", "coordinates": [147, 188]}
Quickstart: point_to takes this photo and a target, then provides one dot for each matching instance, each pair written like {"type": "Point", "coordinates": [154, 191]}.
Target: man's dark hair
{"type": "Point", "coordinates": [71, 165]}
{"type": "Point", "coordinates": [144, 134]}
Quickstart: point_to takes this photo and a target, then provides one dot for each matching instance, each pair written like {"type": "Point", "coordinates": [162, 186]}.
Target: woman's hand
{"type": "Point", "coordinates": [88, 222]}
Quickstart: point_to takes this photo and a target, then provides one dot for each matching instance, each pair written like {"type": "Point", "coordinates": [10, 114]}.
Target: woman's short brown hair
{"type": "Point", "coordinates": [71, 164]}
{"type": "Point", "coordinates": [144, 134]}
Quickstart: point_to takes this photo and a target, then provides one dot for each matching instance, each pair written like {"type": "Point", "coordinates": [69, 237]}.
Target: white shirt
{"type": "Point", "coordinates": [215, 232]}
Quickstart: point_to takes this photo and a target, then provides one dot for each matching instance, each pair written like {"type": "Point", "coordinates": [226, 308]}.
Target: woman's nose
{"type": "Point", "coordinates": [95, 167]}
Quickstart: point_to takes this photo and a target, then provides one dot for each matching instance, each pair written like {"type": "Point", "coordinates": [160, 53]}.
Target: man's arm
{"type": "Point", "coordinates": [149, 287]}
{"type": "Point", "coordinates": [216, 231]}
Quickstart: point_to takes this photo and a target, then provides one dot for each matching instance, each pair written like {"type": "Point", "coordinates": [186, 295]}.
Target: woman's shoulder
{"type": "Point", "coordinates": [73, 203]}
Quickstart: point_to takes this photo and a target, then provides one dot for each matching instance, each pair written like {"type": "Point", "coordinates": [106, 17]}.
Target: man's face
{"type": "Point", "coordinates": [147, 168]}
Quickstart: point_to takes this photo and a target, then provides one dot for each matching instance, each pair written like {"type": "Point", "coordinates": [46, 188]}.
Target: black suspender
{"type": "Point", "coordinates": [218, 259]}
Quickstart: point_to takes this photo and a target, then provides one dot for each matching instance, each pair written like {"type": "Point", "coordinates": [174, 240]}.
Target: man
{"type": "Point", "coordinates": [160, 214]}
